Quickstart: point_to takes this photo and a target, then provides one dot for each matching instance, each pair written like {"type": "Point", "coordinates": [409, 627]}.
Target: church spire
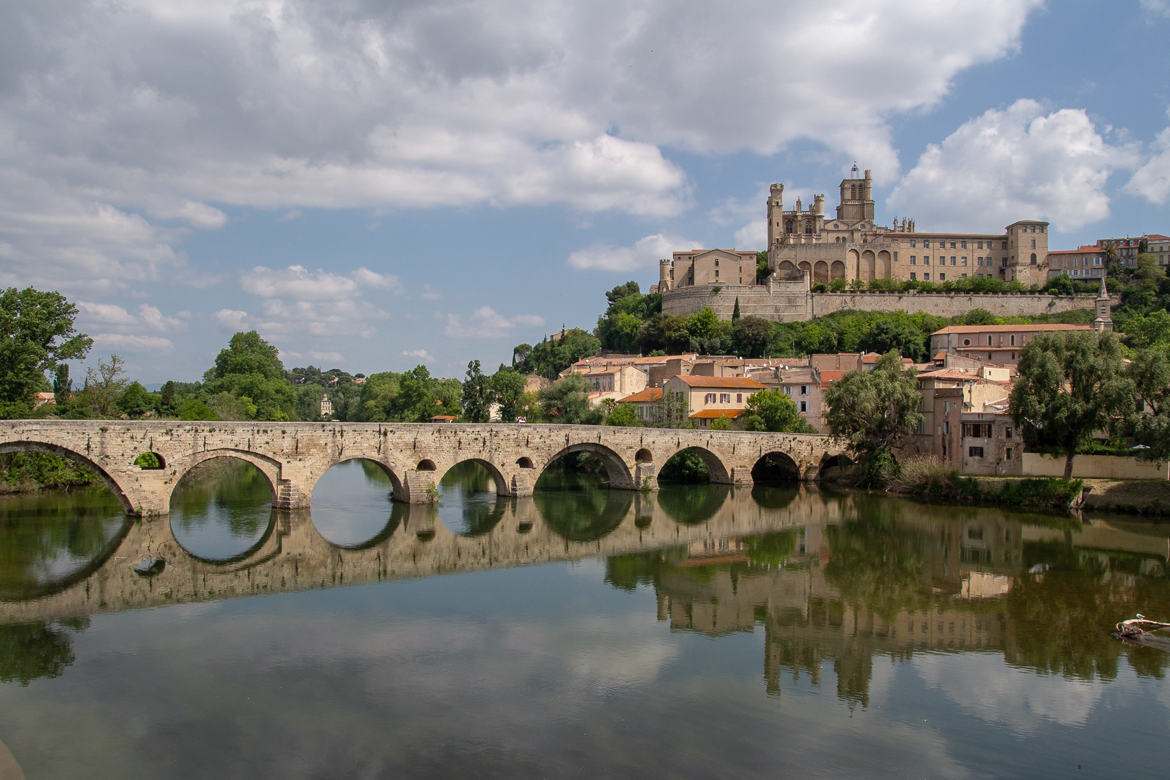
{"type": "Point", "coordinates": [1104, 320]}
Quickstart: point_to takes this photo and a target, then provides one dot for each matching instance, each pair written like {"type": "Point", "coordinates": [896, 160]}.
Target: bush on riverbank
{"type": "Point", "coordinates": [934, 481]}
{"type": "Point", "coordinates": [25, 472]}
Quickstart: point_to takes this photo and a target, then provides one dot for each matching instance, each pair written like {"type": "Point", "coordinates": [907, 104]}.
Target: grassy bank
{"type": "Point", "coordinates": [935, 482]}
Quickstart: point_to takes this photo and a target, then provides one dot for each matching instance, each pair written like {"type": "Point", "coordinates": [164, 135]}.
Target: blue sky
{"type": "Point", "coordinates": [373, 185]}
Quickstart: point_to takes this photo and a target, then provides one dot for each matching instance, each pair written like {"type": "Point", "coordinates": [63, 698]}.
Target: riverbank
{"type": "Point", "coordinates": [1146, 497]}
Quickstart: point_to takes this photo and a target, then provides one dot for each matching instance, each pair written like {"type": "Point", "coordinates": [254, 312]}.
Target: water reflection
{"type": "Point", "coordinates": [221, 510]}
{"type": "Point", "coordinates": [50, 539]}
{"type": "Point", "coordinates": [29, 651]}
{"type": "Point", "coordinates": [692, 503]}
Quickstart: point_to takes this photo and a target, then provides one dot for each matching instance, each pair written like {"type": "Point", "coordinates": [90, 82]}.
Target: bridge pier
{"type": "Point", "coordinates": [420, 488]}
{"type": "Point", "coordinates": [741, 476]}
{"type": "Point", "coordinates": [645, 476]}
{"type": "Point", "coordinates": [521, 485]}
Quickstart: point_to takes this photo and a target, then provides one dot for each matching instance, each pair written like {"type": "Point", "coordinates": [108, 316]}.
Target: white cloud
{"type": "Point", "coordinates": [1018, 163]}
{"type": "Point", "coordinates": [429, 294]}
{"type": "Point", "coordinates": [487, 323]}
{"type": "Point", "coordinates": [120, 341]}
{"type": "Point", "coordinates": [232, 319]}
{"type": "Point", "coordinates": [1152, 179]}
{"type": "Point", "coordinates": [105, 313]}
{"type": "Point", "coordinates": [298, 282]}
{"type": "Point", "coordinates": [172, 107]}
{"type": "Point", "coordinates": [419, 354]}
{"type": "Point", "coordinates": [645, 253]}
{"type": "Point", "coordinates": [1156, 7]}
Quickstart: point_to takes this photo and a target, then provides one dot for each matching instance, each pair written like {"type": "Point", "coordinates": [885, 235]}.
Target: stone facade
{"type": "Point", "coordinates": [293, 456]}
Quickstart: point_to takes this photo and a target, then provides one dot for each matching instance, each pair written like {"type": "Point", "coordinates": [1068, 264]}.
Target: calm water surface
{"type": "Point", "coordinates": [694, 632]}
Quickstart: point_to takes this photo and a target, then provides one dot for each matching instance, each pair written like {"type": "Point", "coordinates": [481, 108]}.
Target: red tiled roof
{"type": "Point", "coordinates": [649, 395]}
{"type": "Point", "coordinates": [719, 381]}
{"type": "Point", "coordinates": [829, 377]}
{"type": "Point", "coordinates": [1032, 328]}
{"type": "Point", "coordinates": [713, 414]}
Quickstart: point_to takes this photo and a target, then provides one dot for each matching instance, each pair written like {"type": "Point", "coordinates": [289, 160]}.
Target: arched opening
{"type": "Point", "coordinates": [775, 468]}
{"type": "Point", "coordinates": [821, 272]}
{"type": "Point", "coordinates": [788, 270]}
{"type": "Point", "coordinates": [44, 465]}
{"type": "Point", "coordinates": [868, 270]}
{"type": "Point", "coordinates": [585, 465]}
{"type": "Point", "coordinates": [352, 504]}
{"type": "Point", "coordinates": [883, 265]}
{"type": "Point", "coordinates": [834, 468]}
{"type": "Point", "coordinates": [643, 456]}
{"type": "Point", "coordinates": [425, 465]}
{"type": "Point", "coordinates": [470, 498]}
{"type": "Point", "coordinates": [150, 461]}
{"type": "Point", "coordinates": [805, 269]}
{"type": "Point", "coordinates": [837, 270]}
{"type": "Point", "coordinates": [693, 465]}
{"type": "Point", "coordinates": [583, 515]}
{"type": "Point", "coordinates": [221, 510]}
{"type": "Point", "coordinates": [524, 462]}
{"type": "Point", "coordinates": [51, 539]}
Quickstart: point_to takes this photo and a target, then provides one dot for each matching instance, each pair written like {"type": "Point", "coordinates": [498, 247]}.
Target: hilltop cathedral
{"type": "Point", "coordinates": [806, 245]}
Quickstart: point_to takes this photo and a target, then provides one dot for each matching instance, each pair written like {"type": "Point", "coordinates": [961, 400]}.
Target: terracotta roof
{"type": "Point", "coordinates": [829, 377]}
{"type": "Point", "coordinates": [443, 418]}
{"type": "Point", "coordinates": [719, 381]}
{"type": "Point", "coordinates": [649, 395]}
{"type": "Point", "coordinates": [949, 373]}
{"type": "Point", "coordinates": [714, 414]}
{"type": "Point", "coordinates": [940, 356]}
{"type": "Point", "coordinates": [1033, 328]}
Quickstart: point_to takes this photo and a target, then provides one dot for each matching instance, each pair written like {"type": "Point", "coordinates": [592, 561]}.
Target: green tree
{"type": "Point", "coordinates": [250, 369]}
{"type": "Point", "coordinates": [36, 334]}
{"type": "Point", "coordinates": [749, 336]}
{"type": "Point", "coordinates": [135, 400]}
{"type": "Point", "coordinates": [567, 401]}
{"type": "Point", "coordinates": [774, 410]}
{"type": "Point", "coordinates": [507, 388]}
{"type": "Point", "coordinates": [762, 269]}
{"type": "Point", "coordinates": [623, 415]}
{"type": "Point", "coordinates": [1150, 374]}
{"type": "Point", "coordinates": [1069, 385]}
{"type": "Point", "coordinates": [896, 332]}
{"type": "Point", "coordinates": [103, 387]}
{"type": "Point", "coordinates": [1147, 330]}
{"type": "Point", "coordinates": [416, 398]}
{"type": "Point", "coordinates": [874, 411]}
{"type": "Point", "coordinates": [476, 395]}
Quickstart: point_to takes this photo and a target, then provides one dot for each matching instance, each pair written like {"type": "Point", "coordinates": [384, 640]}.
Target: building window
{"type": "Point", "coordinates": [925, 243]}
{"type": "Point", "coordinates": [913, 260]}
{"type": "Point", "coordinates": [1007, 432]}
{"type": "Point", "coordinates": [804, 389]}
{"type": "Point", "coordinates": [925, 260]}
{"type": "Point", "coordinates": [942, 277]}
{"type": "Point", "coordinates": [1008, 454]}
{"type": "Point", "coordinates": [913, 276]}
{"type": "Point", "coordinates": [739, 398]}
{"type": "Point", "coordinates": [962, 244]}
{"type": "Point", "coordinates": [725, 398]}
{"type": "Point", "coordinates": [979, 244]}
{"type": "Point", "coordinates": [709, 398]}
{"type": "Point", "coordinates": [963, 260]}
{"type": "Point", "coordinates": [952, 245]}
{"type": "Point", "coordinates": [926, 277]}
{"type": "Point", "coordinates": [966, 342]}
{"type": "Point", "coordinates": [913, 243]}
{"type": "Point", "coordinates": [975, 452]}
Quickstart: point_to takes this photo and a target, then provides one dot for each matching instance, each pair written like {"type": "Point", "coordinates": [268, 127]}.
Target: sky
{"type": "Point", "coordinates": [374, 185]}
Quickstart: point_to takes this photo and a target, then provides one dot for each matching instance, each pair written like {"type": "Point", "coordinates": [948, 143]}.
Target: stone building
{"type": "Point", "coordinates": [807, 244]}
{"type": "Point", "coordinates": [996, 343]}
{"type": "Point", "coordinates": [1085, 262]}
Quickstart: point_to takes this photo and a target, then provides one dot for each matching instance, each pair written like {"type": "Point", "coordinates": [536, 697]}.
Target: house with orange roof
{"type": "Point", "coordinates": [714, 396]}
{"type": "Point", "coordinates": [647, 404]}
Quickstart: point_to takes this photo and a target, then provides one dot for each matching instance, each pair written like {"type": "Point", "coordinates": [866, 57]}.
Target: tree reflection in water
{"type": "Point", "coordinates": [221, 509]}
{"type": "Point", "coordinates": [572, 497]}
{"type": "Point", "coordinates": [29, 651]}
{"type": "Point", "coordinates": [692, 504]}
{"type": "Point", "coordinates": [49, 539]}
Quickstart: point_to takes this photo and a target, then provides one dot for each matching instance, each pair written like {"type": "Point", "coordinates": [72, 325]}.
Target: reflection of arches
{"type": "Point", "coordinates": [821, 272]}
{"type": "Point", "coordinates": [214, 509]}
{"type": "Point", "coordinates": [773, 467]}
{"type": "Point", "coordinates": [76, 457]}
{"type": "Point", "coordinates": [426, 464]}
{"type": "Point", "coordinates": [15, 590]}
{"type": "Point", "coordinates": [583, 516]}
{"type": "Point", "coordinates": [524, 462]}
{"type": "Point", "coordinates": [643, 456]}
{"type": "Point", "coordinates": [351, 502]}
{"type": "Point", "coordinates": [615, 468]}
{"type": "Point", "coordinates": [837, 270]}
{"type": "Point", "coordinates": [883, 265]}
{"type": "Point", "coordinates": [716, 472]}
{"type": "Point", "coordinates": [691, 504]}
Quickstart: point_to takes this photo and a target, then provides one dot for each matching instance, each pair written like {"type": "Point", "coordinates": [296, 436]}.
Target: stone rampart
{"type": "Point", "coordinates": [789, 301]}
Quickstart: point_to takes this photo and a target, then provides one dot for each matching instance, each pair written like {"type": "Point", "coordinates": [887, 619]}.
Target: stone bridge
{"type": "Point", "coordinates": [293, 556]}
{"type": "Point", "coordinates": [293, 456]}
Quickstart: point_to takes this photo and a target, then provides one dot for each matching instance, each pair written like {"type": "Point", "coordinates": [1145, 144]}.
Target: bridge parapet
{"type": "Point", "coordinates": [293, 456]}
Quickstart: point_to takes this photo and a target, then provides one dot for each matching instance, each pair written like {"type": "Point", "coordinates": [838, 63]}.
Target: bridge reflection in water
{"type": "Point", "coordinates": [830, 578]}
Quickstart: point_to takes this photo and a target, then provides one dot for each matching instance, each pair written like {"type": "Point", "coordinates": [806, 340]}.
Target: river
{"type": "Point", "coordinates": [695, 632]}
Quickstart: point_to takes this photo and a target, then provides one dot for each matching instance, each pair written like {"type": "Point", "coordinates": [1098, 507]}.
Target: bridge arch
{"type": "Point", "coordinates": [498, 480]}
{"type": "Point", "coordinates": [776, 466]}
{"type": "Point", "coordinates": [64, 452]}
{"type": "Point", "coordinates": [269, 467]}
{"type": "Point", "coordinates": [395, 481]}
{"type": "Point", "coordinates": [718, 473]}
{"type": "Point", "coordinates": [616, 469]}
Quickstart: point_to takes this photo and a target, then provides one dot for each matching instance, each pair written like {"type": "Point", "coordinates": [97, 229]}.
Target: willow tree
{"type": "Point", "coordinates": [1070, 385]}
